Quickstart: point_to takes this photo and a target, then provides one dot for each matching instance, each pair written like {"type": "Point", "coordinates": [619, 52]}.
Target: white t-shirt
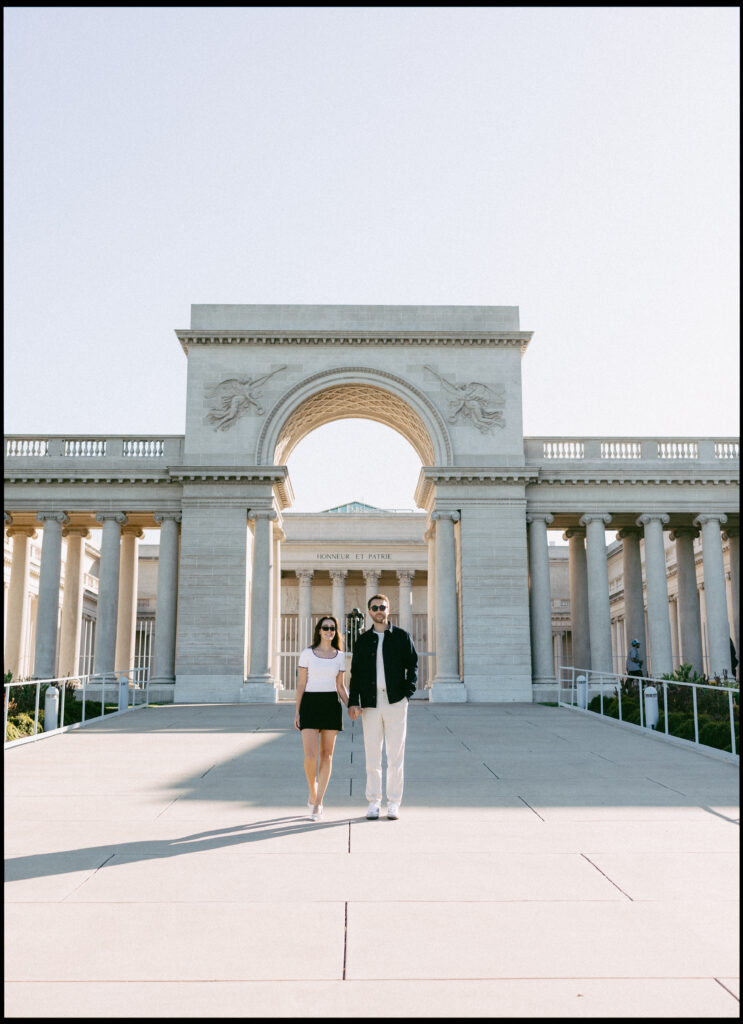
{"type": "Point", "coordinates": [321, 672]}
{"type": "Point", "coordinates": [381, 679]}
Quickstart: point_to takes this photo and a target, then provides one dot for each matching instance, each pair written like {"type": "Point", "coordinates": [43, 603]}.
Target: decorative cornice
{"type": "Point", "coordinates": [519, 339]}
{"type": "Point", "coordinates": [238, 474]}
{"type": "Point", "coordinates": [474, 475]}
{"type": "Point", "coordinates": [567, 475]}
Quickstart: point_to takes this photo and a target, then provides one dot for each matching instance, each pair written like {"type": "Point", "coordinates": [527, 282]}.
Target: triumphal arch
{"type": "Point", "coordinates": [448, 378]}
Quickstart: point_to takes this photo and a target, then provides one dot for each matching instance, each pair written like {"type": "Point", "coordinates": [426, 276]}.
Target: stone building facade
{"type": "Point", "coordinates": [233, 558]}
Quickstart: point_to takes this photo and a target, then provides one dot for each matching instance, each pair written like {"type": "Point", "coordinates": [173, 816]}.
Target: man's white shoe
{"type": "Point", "coordinates": [393, 811]}
{"type": "Point", "coordinates": [372, 812]}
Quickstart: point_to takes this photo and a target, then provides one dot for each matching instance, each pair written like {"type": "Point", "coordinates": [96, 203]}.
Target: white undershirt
{"type": "Point", "coordinates": [381, 681]}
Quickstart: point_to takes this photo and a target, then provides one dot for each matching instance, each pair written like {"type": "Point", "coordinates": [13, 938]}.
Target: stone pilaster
{"type": "Point", "coordinates": [259, 686]}
{"type": "Point", "coordinates": [16, 623]}
{"type": "Point", "coordinates": [634, 610]}
{"type": "Point", "coordinates": [371, 577]}
{"type": "Point", "coordinates": [47, 612]}
{"type": "Point", "coordinates": [656, 587]}
{"type": "Point", "coordinates": [405, 598]}
{"type": "Point", "coordinates": [732, 537]}
{"type": "Point", "coordinates": [126, 619]}
{"type": "Point", "coordinates": [108, 592]}
{"type": "Point", "coordinates": [305, 606]}
{"type": "Point", "coordinates": [599, 612]}
{"type": "Point", "coordinates": [447, 685]}
{"type": "Point", "coordinates": [166, 613]}
{"type": "Point", "coordinates": [690, 626]}
{"type": "Point", "coordinates": [72, 601]}
{"type": "Point", "coordinates": [430, 537]}
{"type": "Point", "coordinates": [718, 626]}
{"type": "Point", "coordinates": [581, 650]}
{"type": "Point", "coordinates": [540, 599]}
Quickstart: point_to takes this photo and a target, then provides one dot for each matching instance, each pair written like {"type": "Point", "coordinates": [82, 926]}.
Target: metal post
{"type": "Point", "coordinates": [696, 723]}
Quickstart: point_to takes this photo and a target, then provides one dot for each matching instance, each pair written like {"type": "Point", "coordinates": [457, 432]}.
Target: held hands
{"type": "Point", "coordinates": [354, 712]}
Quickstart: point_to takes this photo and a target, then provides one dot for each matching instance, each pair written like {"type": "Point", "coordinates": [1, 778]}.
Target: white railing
{"type": "Point", "coordinates": [727, 449]}
{"type": "Point", "coordinates": [143, 448]}
{"type": "Point", "coordinates": [578, 687]}
{"type": "Point", "coordinates": [25, 446]}
{"type": "Point", "coordinates": [85, 447]}
{"type": "Point", "coordinates": [130, 690]}
{"type": "Point", "coordinates": [621, 449]}
{"type": "Point", "coordinates": [617, 449]}
{"type": "Point", "coordinates": [678, 450]}
{"type": "Point", "coordinates": [59, 446]}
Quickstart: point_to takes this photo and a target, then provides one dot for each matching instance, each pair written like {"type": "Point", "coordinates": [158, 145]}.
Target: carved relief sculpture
{"type": "Point", "coordinates": [234, 397]}
{"type": "Point", "coordinates": [476, 402]}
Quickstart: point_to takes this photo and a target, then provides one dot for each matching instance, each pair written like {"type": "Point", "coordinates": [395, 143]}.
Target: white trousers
{"type": "Point", "coordinates": [385, 724]}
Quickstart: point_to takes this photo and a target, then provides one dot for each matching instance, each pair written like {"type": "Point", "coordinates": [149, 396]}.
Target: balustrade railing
{"type": "Point", "coordinates": [634, 701]}
{"type": "Point", "coordinates": [93, 447]}
{"type": "Point", "coordinates": [616, 449]}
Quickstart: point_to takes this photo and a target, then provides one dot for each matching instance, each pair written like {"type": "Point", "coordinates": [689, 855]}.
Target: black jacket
{"type": "Point", "coordinates": [400, 667]}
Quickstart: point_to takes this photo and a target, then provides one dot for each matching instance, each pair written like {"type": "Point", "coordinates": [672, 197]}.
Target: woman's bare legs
{"type": "Point", "coordinates": [310, 739]}
{"type": "Point", "coordinates": [327, 745]}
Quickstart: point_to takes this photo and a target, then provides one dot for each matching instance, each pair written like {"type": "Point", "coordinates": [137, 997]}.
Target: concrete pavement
{"type": "Point", "coordinates": [545, 864]}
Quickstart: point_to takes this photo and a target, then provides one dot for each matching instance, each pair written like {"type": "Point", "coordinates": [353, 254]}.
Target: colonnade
{"type": "Point", "coordinates": [589, 593]}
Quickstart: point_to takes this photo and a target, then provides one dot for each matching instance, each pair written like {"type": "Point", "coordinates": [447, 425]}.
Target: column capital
{"type": "Point", "coordinates": [454, 515]}
{"type": "Point", "coordinates": [731, 533]}
{"type": "Point", "coordinates": [338, 574]}
{"type": "Point", "coordinates": [372, 575]}
{"type": "Point", "coordinates": [8, 518]}
{"type": "Point", "coordinates": [649, 517]}
{"type": "Point", "coordinates": [160, 517]}
{"type": "Point", "coordinates": [57, 517]}
{"type": "Point", "coordinates": [132, 531]}
{"type": "Point", "coordinates": [540, 517]}
{"type": "Point", "coordinates": [683, 531]}
{"type": "Point", "coordinates": [75, 531]}
{"type": "Point", "coordinates": [593, 517]}
{"type": "Point", "coordinates": [711, 517]}
{"type": "Point", "coordinates": [405, 575]}
{"type": "Point", "coordinates": [117, 517]}
{"type": "Point", "coordinates": [574, 531]}
{"type": "Point", "coordinates": [304, 575]}
{"type": "Point", "coordinates": [22, 531]}
{"type": "Point", "coordinates": [629, 532]}
{"type": "Point", "coordinates": [263, 513]}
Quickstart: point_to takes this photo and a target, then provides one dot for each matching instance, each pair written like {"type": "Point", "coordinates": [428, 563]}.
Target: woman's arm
{"type": "Point", "coordinates": [341, 687]}
{"type": "Point", "coordinates": [301, 683]}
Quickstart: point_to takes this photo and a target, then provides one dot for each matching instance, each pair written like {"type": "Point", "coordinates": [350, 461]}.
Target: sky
{"type": "Point", "coordinates": [580, 163]}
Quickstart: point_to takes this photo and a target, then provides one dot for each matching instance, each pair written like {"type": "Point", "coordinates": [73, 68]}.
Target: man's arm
{"type": "Point", "coordinates": [411, 671]}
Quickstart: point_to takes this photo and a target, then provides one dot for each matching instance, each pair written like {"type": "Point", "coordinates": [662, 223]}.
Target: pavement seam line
{"type": "Point", "coordinates": [531, 808]}
{"type": "Point", "coordinates": [72, 893]}
{"type": "Point", "coordinates": [665, 786]}
{"type": "Point", "coordinates": [737, 998]}
{"type": "Point", "coordinates": [345, 933]}
{"type": "Point", "coordinates": [490, 770]}
{"type": "Point", "coordinates": [607, 878]}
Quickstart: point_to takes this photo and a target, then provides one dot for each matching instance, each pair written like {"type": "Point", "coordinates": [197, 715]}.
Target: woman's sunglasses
{"type": "Point", "coordinates": [328, 629]}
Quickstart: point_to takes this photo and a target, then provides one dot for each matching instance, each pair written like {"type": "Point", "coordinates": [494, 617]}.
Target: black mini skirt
{"type": "Point", "coordinates": [321, 711]}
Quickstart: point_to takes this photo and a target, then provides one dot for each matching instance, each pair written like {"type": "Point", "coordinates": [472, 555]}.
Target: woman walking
{"type": "Point", "coordinates": [320, 691]}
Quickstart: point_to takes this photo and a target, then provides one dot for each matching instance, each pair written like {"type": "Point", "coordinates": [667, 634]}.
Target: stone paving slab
{"type": "Point", "coordinates": [163, 864]}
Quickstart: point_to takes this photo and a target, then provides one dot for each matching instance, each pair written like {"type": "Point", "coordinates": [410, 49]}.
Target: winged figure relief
{"type": "Point", "coordinates": [476, 402]}
{"type": "Point", "coordinates": [234, 397]}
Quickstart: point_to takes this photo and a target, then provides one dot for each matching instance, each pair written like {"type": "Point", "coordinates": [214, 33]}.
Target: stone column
{"type": "Point", "coordinates": [305, 606]}
{"type": "Point", "coordinates": [405, 598]}
{"type": "Point", "coordinates": [430, 537]}
{"type": "Point", "coordinates": [634, 611]}
{"type": "Point", "coordinates": [732, 537]}
{"type": "Point", "coordinates": [599, 611]}
{"type": "Point", "coordinates": [166, 613]}
{"type": "Point", "coordinates": [673, 611]}
{"type": "Point", "coordinates": [72, 601]}
{"type": "Point", "coordinates": [47, 609]}
{"type": "Point", "coordinates": [372, 587]}
{"type": "Point", "coordinates": [126, 620]}
{"type": "Point", "coordinates": [338, 577]}
{"type": "Point", "coordinates": [557, 652]}
{"type": "Point", "coordinates": [108, 592]}
{"type": "Point", "coordinates": [540, 599]}
{"type": "Point", "coordinates": [718, 625]}
{"type": "Point", "coordinates": [278, 536]}
{"type": "Point", "coordinates": [690, 626]}
{"type": "Point", "coordinates": [581, 652]}
{"type": "Point", "coordinates": [447, 685]}
{"type": "Point", "coordinates": [259, 686]}
{"type": "Point", "coordinates": [16, 623]}
{"type": "Point", "coordinates": [656, 587]}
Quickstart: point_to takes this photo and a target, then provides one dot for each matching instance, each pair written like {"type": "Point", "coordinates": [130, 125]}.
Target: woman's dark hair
{"type": "Point", "coordinates": [336, 642]}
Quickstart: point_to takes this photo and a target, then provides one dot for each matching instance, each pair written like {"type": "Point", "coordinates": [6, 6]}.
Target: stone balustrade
{"type": "Point", "coordinates": [169, 448]}
{"type": "Point", "coordinates": [617, 449]}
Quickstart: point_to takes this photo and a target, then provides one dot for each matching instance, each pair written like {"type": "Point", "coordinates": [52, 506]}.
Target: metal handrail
{"type": "Point", "coordinates": [570, 675]}
{"type": "Point", "coordinates": [120, 683]}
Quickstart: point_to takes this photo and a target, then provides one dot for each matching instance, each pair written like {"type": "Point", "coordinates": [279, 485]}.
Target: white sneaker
{"type": "Point", "coordinates": [372, 812]}
{"type": "Point", "coordinates": [393, 812]}
{"type": "Point", "coordinates": [317, 815]}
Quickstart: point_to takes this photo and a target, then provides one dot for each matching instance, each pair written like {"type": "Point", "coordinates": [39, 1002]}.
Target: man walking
{"type": "Point", "coordinates": [384, 670]}
{"type": "Point", "coordinates": [634, 661]}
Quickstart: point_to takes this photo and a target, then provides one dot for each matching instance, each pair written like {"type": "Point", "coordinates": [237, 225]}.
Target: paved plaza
{"type": "Point", "coordinates": [545, 864]}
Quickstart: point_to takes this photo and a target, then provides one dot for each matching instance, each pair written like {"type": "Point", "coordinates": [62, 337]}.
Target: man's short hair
{"type": "Point", "coordinates": [378, 597]}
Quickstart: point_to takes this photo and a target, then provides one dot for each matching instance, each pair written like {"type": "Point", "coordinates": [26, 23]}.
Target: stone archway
{"type": "Point", "coordinates": [360, 393]}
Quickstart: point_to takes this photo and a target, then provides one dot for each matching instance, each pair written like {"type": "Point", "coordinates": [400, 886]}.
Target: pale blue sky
{"type": "Point", "coordinates": [581, 164]}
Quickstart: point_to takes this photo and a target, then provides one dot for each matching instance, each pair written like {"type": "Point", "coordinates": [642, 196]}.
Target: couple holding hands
{"type": "Point", "coordinates": [384, 670]}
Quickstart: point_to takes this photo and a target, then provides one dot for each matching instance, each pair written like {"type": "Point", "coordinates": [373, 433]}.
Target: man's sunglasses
{"type": "Point", "coordinates": [328, 629]}
{"type": "Point", "coordinates": [378, 607]}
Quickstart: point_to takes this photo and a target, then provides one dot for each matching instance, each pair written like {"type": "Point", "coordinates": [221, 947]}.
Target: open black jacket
{"type": "Point", "coordinates": [400, 667]}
